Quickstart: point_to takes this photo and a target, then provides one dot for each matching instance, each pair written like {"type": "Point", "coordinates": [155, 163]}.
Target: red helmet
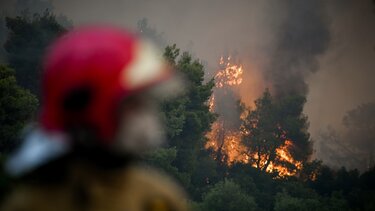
{"type": "Point", "coordinates": [87, 74]}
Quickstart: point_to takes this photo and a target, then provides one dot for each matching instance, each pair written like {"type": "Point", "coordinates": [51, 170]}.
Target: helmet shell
{"type": "Point", "coordinates": [87, 74]}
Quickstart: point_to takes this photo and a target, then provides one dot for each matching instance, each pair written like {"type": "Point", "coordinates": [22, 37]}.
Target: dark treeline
{"type": "Point", "coordinates": [210, 183]}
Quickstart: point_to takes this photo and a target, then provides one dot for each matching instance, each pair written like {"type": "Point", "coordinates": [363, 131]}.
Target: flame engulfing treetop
{"type": "Point", "coordinates": [276, 135]}
{"type": "Point", "coordinates": [272, 137]}
{"type": "Point", "coordinates": [229, 75]}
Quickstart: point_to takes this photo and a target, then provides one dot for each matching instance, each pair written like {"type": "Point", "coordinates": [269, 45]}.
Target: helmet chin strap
{"type": "Point", "coordinates": [38, 148]}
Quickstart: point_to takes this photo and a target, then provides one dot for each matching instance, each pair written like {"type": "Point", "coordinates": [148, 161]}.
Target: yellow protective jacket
{"type": "Point", "coordinates": [134, 188]}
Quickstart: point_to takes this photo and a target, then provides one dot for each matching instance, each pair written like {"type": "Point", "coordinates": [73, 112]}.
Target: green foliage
{"type": "Point", "coordinates": [256, 183]}
{"type": "Point", "coordinates": [17, 106]}
{"type": "Point", "coordinates": [27, 40]}
{"type": "Point", "coordinates": [171, 53]}
{"type": "Point", "coordinates": [226, 196]}
{"type": "Point", "coordinates": [297, 197]}
{"type": "Point", "coordinates": [287, 202]}
{"type": "Point", "coordinates": [188, 119]}
{"type": "Point", "coordinates": [336, 202]}
{"type": "Point", "coordinates": [189, 111]}
{"type": "Point", "coordinates": [162, 158]}
{"type": "Point", "coordinates": [324, 181]}
{"type": "Point", "coordinates": [173, 115]}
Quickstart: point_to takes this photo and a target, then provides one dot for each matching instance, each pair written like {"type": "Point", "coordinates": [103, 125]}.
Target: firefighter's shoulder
{"type": "Point", "coordinates": [135, 188]}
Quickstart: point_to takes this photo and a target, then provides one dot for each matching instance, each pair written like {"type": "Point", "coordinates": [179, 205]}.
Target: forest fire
{"type": "Point", "coordinates": [225, 137]}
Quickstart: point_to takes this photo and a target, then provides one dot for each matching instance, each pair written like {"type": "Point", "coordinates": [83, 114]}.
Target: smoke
{"type": "Point", "coordinates": [226, 105]}
{"type": "Point", "coordinates": [303, 36]}
{"type": "Point", "coordinates": [355, 147]}
{"type": "Point", "coordinates": [360, 124]}
{"type": "Point", "coordinates": [345, 81]}
{"type": "Point", "coordinates": [323, 50]}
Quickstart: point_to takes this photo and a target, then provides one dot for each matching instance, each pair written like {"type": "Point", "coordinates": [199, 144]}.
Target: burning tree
{"type": "Point", "coordinates": [225, 136]}
{"type": "Point", "coordinates": [275, 134]}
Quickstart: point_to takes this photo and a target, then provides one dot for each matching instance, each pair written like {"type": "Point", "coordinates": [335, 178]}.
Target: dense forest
{"type": "Point", "coordinates": [211, 182]}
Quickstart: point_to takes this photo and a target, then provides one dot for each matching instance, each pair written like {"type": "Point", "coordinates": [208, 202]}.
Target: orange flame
{"type": "Point", "coordinates": [283, 155]}
{"type": "Point", "coordinates": [230, 75]}
{"type": "Point", "coordinates": [227, 143]}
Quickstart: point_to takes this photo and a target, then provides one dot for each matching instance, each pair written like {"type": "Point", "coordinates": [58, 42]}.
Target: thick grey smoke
{"type": "Point", "coordinates": [303, 36]}
{"type": "Point", "coordinates": [345, 81]}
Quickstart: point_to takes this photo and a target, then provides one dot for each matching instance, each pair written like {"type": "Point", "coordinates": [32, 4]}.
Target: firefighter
{"type": "Point", "coordinates": [100, 85]}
